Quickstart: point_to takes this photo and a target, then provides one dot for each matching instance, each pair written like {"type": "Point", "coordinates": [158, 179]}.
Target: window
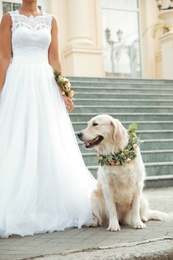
{"type": "Point", "coordinates": [11, 6]}
{"type": "Point", "coordinates": [121, 38]}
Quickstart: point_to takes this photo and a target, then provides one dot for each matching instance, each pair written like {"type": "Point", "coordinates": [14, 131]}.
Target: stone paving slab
{"type": "Point", "coordinates": [54, 244]}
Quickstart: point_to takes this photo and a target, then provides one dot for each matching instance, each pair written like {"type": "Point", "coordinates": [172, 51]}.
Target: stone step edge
{"type": "Point", "coordinates": [143, 152]}
{"type": "Point", "coordinates": [146, 141]}
{"type": "Point", "coordinates": [130, 88]}
{"type": "Point", "coordinates": [121, 94]}
{"type": "Point", "coordinates": [158, 181]}
{"type": "Point", "coordinates": [92, 167]}
{"type": "Point", "coordinates": [113, 106]}
{"type": "Point", "coordinates": [157, 140]}
{"type": "Point", "coordinates": [122, 99]}
{"type": "Point", "coordinates": [151, 131]}
{"type": "Point", "coordinates": [114, 113]}
{"type": "Point", "coordinates": [129, 122]}
{"type": "Point", "coordinates": [119, 114]}
{"type": "Point", "coordinates": [111, 79]}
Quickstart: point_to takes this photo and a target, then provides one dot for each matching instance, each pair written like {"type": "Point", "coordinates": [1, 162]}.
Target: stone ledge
{"type": "Point", "coordinates": [159, 181]}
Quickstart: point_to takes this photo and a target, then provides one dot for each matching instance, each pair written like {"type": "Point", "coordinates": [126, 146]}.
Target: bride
{"type": "Point", "coordinates": [44, 183]}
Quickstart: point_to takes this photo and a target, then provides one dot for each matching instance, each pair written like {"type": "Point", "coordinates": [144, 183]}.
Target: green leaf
{"type": "Point", "coordinates": [109, 157]}
{"type": "Point", "coordinates": [126, 152]}
{"type": "Point", "coordinates": [132, 127]}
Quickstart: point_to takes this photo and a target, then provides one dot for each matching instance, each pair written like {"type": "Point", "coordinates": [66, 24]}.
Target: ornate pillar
{"type": "Point", "coordinates": [167, 55]}
{"type": "Point", "coordinates": [166, 41]}
{"type": "Point", "coordinates": [83, 54]}
{"type": "Point", "coordinates": [80, 27]}
{"type": "Point", "coordinates": [149, 13]}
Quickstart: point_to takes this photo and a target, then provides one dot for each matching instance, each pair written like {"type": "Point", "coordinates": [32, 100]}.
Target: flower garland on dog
{"type": "Point", "coordinates": [65, 83]}
{"type": "Point", "coordinates": [125, 156]}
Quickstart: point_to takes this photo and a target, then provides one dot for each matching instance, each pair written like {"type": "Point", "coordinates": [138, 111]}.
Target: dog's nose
{"type": "Point", "coordinates": [79, 134]}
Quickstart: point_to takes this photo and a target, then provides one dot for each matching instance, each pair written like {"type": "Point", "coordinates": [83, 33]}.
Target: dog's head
{"type": "Point", "coordinates": [105, 134]}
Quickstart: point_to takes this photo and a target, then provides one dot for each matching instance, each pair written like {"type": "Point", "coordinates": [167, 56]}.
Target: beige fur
{"type": "Point", "coordinates": [118, 197]}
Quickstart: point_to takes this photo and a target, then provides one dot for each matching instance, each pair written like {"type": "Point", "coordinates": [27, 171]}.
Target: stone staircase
{"type": "Point", "coordinates": [149, 103]}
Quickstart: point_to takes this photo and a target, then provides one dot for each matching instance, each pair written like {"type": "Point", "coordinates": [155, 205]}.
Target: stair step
{"type": "Point", "coordinates": [133, 117]}
{"type": "Point", "coordinates": [121, 109]}
{"type": "Point", "coordinates": [121, 85]}
{"type": "Point", "coordinates": [123, 95]}
{"type": "Point", "coordinates": [148, 157]}
{"type": "Point", "coordinates": [122, 89]}
{"type": "Point", "coordinates": [159, 181]}
{"type": "Point", "coordinates": [154, 134]}
{"type": "Point", "coordinates": [142, 125]}
{"type": "Point", "coordinates": [150, 144]}
{"type": "Point", "coordinates": [157, 144]}
{"type": "Point", "coordinates": [119, 101]}
{"type": "Point", "coordinates": [123, 81]}
{"type": "Point", "coordinates": [159, 168]}
{"type": "Point", "coordinates": [152, 169]}
{"type": "Point", "coordinates": [157, 156]}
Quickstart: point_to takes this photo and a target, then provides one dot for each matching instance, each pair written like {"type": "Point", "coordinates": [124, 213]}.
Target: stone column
{"type": "Point", "coordinates": [166, 41]}
{"type": "Point", "coordinates": [79, 17]}
{"type": "Point", "coordinates": [167, 55]}
{"type": "Point", "coordinates": [84, 52]}
{"type": "Point", "coordinates": [149, 14]}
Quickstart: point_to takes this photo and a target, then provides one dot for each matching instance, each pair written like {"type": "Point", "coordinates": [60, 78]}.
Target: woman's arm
{"type": "Point", "coordinates": [5, 47]}
{"type": "Point", "coordinates": [54, 59]}
{"type": "Point", "coordinates": [53, 55]}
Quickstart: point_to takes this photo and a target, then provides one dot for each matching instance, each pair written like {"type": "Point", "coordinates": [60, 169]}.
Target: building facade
{"type": "Point", "coordinates": [113, 38]}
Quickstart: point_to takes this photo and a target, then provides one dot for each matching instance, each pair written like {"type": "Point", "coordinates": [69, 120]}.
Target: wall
{"type": "Point", "coordinates": [80, 36]}
{"type": "Point", "coordinates": [151, 58]}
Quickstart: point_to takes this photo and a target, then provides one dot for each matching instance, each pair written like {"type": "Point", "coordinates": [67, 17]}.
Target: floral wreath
{"type": "Point", "coordinates": [125, 156]}
{"type": "Point", "coordinates": [65, 83]}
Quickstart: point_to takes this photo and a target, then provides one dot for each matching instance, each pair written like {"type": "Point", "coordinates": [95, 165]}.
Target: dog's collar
{"type": "Point", "coordinates": [125, 156]}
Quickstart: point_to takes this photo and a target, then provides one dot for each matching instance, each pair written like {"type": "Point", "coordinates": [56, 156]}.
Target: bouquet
{"type": "Point", "coordinates": [65, 83]}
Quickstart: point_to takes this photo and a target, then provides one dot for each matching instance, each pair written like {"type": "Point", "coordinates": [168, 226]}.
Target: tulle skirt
{"type": "Point", "coordinates": [44, 183]}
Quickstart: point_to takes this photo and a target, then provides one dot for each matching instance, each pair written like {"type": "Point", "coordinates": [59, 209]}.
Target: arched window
{"type": "Point", "coordinates": [121, 38]}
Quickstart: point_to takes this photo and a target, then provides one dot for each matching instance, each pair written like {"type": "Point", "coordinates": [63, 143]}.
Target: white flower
{"type": "Point", "coordinates": [135, 146]}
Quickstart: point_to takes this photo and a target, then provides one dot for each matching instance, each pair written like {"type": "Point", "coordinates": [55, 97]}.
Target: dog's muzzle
{"type": "Point", "coordinates": [90, 143]}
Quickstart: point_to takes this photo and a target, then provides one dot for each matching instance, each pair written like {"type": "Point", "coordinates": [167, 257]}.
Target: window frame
{"type": "Point", "coordinates": [137, 11]}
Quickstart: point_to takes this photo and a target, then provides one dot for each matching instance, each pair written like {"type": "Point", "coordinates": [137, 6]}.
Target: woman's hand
{"type": "Point", "coordinates": [69, 103]}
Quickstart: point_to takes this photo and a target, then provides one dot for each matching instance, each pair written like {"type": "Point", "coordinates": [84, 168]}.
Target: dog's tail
{"type": "Point", "coordinates": [158, 215]}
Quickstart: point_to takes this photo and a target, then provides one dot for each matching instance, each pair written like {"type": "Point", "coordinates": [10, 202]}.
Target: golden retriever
{"type": "Point", "coordinates": [118, 198]}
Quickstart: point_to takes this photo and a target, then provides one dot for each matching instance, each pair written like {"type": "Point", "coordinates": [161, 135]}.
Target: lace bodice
{"type": "Point", "coordinates": [31, 37]}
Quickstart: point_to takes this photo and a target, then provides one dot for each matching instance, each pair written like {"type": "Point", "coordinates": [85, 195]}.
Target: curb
{"type": "Point", "coordinates": [160, 249]}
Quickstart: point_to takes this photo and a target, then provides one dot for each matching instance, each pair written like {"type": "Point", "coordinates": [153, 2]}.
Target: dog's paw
{"type": "Point", "coordinates": [114, 226]}
{"type": "Point", "coordinates": [138, 225]}
{"type": "Point", "coordinates": [144, 219]}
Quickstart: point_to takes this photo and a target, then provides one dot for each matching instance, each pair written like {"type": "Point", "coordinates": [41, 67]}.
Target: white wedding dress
{"type": "Point", "coordinates": [44, 183]}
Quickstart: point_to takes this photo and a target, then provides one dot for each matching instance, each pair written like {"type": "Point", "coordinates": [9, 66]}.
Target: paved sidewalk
{"type": "Point", "coordinates": [153, 242]}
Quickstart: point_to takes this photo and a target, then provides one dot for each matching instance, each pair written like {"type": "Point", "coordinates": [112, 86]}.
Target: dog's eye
{"type": "Point", "coordinates": [95, 124]}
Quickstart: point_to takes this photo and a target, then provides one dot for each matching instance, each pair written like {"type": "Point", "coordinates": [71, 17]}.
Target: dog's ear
{"type": "Point", "coordinates": [119, 135]}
